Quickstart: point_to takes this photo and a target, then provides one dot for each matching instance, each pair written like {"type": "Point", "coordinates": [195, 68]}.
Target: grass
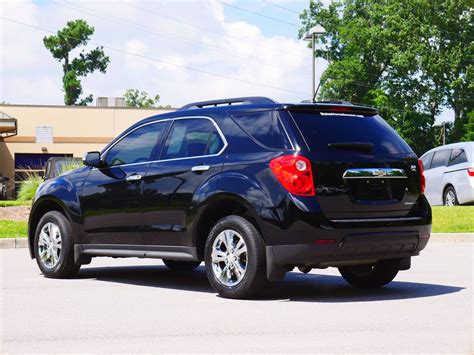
{"type": "Point", "coordinates": [459, 219]}
{"type": "Point", "coordinates": [13, 229]}
{"type": "Point", "coordinates": [12, 203]}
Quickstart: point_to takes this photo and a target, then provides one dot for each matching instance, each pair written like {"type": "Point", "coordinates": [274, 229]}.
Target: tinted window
{"type": "Point", "coordinates": [426, 160]}
{"type": "Point", "coordinates": [458, 156]}
{"type": "Point", "coordinates": [191, 138]}
{"type": "Point", "coordinates": [136, 147]}
{"type": "Point", "coordinates": [264, 127]}
{"type": "Point", "coordinates": [440, 158]}
{"type": "Point", "coordinates": [321, 129]}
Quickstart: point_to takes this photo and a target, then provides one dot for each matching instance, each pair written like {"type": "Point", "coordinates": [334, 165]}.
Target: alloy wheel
{"type": "Point", "coordinates": [49, 245]}
{"type": "Point", "coordinates": [229, 257]}
{"type": "Point", "coordinates": [450, 199]}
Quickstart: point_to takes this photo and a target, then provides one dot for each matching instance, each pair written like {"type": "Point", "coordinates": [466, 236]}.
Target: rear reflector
{"type": "Point", "coordinates": [470, 171]}
{"type": "Point", "coordinates": [422, 175]}
{"type": "Point", "coordinates": [294, 173]}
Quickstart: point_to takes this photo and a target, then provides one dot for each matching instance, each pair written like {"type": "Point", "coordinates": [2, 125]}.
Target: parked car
{"type": "Point", "coordinates": [56, 165]}
{"type": "Point", "coordinates": [449, 173]}
{"type": "Point", "coordinates": [251, 187]}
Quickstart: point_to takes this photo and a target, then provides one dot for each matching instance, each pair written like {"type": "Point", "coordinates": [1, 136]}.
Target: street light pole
{"type": "Point", "coordinates": [311, 36]}
{"type": "Point", "coordinates": [313, 42]}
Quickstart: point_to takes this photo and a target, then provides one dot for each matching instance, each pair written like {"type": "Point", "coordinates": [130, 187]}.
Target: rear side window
{"type": "Point", "coordinates": [265, 127]}
{"type": "Point", "coordinates": [321, 129]}
{"type": "Point", "coordinates": [191, 138]}
{"type": "Point", "coordinates": [458, 156]}
{"type": "Point", "coordinates": [426, 160]}
{"type": "Point", "coordinates": [440, 158]}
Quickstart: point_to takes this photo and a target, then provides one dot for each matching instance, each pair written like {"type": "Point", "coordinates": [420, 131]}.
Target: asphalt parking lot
{"type": "Point", "coordinates": [133, 305]}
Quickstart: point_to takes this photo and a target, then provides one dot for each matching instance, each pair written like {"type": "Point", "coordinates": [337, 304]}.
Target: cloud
{"type": "Point", "coordinates": [174, 58]}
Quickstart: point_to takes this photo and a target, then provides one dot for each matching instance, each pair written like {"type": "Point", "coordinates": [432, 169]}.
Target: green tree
{"type": "Point", "coordinates": [401, 56]}
{"type": "Point", "coordinates": [77, 33]}
{"type": "Point", "coordinates": [469, 128]}
{"type": "Point", "coordinates": [136, 98]}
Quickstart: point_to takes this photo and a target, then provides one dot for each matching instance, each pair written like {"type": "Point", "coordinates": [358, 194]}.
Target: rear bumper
{"type": "Point", "coordinates": [351, 246]}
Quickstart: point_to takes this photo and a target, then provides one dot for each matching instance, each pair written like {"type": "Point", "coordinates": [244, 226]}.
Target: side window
{"type": "Point", "coordinates": [264, 127]}
{"type": "Point", "coordinates": [426, 160]}
{"type": "Point", "coordinates": [458, 156]}
{"type": "Point", "coordinates": [192, 138]}
{"type": "Point", "coordinates": [440, 158]}
{"type": "Point", "coordinates": [137, 146]}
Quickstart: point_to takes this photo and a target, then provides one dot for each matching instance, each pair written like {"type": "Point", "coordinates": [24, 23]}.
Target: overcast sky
{"type": "Point", "coordinates": [182, 50]}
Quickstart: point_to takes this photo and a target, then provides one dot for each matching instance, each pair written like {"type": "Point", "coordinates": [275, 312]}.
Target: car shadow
{"type": "Point", "coordinates": [296, 286]}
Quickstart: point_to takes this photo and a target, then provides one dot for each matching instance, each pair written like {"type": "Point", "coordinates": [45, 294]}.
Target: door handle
{"type": "Point", "coordinates": [134, 177]}
{"type": "Point", "coordinates": [199, 168]}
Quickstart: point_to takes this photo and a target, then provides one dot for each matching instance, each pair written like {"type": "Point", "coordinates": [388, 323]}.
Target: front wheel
{"type": "Point", "coordinates": [54, 246]}
{"type": "Point", "coordinates": [370, 276]}
{"type": "Point", "coordinates": [235, 258]}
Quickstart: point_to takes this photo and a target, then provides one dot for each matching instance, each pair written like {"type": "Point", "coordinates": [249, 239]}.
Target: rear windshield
{"type": "Point", "coordinates": [321, 129]}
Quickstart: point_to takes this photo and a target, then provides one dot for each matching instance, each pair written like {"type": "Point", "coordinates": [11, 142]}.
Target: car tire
{"type": "Point", "coordinates": [238, 271]}
{"type": "Point", "coordinates": [370, 276]}
{"type": "Point", "coordinates": [450, 197]}
{"type": "Point", "coordinates": [179, 265]}
{"type": "Point", "coordinates": [54, 246]}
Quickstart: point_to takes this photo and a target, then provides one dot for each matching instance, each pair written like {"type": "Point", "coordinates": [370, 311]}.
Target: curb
{"type": "Point", "coordinates": [12, 243]}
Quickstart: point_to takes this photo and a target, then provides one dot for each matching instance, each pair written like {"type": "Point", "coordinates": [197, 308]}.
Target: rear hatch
{"type": "Point", "coordinates": [362, 168]}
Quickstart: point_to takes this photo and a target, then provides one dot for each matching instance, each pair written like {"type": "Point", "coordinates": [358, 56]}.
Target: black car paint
{"type": "Point", "coordinates": [160, 215]}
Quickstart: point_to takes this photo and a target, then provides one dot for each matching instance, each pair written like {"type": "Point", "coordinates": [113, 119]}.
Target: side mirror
{"type": "Point", "coordinates": [92, 159]}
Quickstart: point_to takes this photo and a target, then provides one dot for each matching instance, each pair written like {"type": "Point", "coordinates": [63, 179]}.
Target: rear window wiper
{"type": "Point", "coordinates": [352, 146]}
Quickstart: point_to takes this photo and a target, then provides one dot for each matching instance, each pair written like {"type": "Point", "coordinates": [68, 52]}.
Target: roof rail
{"type": "Point", "coordinates": [253, 100]}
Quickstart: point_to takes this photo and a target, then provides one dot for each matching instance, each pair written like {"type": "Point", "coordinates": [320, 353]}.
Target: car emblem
{"type": "Point", "coordinates": [379, 173]}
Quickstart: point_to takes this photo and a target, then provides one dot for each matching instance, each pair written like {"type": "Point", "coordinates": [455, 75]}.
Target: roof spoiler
{"type": "Point", "coordinates": [336, 107]}
{"type": "Point", "coordinates": [251, 100]}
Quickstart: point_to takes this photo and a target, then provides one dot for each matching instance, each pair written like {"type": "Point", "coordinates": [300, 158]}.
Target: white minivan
{"type": "Point", "coordinates": [449, 173]}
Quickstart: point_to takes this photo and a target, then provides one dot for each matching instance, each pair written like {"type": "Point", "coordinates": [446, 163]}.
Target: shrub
{"type": "Point", "coordinates": [29, 186]}
{"type": "Point", "coordinates": [69, 165]}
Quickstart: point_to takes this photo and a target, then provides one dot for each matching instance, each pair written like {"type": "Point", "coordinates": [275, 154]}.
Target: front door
{"type": "Point", "coordinates": [111, 199]}
{"type": "Point", "coordinates": [190, 157]}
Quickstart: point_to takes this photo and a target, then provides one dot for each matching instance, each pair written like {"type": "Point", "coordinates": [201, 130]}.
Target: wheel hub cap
{"type": "Point", "coordinates": [229, 257]}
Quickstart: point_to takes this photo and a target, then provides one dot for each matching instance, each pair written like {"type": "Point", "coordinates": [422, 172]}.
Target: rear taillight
{"type": "Point", "coordinates": [294, 173]}
{"type": "Point", "coordinates": [422, 175]}
{"type": "Point", "coordinates": [470, 171]}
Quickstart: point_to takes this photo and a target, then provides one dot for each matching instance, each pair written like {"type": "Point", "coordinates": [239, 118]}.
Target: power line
{"type": "Point", "coordinates": [161, 61]}
{"type": "Point", "coordinates": [258, 14]}
{"type": "Point", "coordinates": [212, 31]}
{"type": "Point", "coordinates": [146, 29]}
{"type": "Point", "coordinates": [281, 7]}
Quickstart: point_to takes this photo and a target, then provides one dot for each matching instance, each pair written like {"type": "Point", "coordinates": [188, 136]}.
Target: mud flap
{"type": "Point", "coordinates": [275, 272]}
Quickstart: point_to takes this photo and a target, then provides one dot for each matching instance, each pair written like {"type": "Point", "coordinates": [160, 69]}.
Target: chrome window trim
{"type": "Point", "coordinates": [219, 131]}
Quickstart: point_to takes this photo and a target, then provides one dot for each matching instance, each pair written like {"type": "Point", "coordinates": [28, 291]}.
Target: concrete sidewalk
{"type": "Point", "coordinates": [10, 243]}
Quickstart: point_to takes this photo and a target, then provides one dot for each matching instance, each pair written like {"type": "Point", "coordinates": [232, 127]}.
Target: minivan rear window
{"type": "Point", "coordinates": [321, 129]}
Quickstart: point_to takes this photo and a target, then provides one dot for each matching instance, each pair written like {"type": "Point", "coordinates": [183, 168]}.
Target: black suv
{"type": "Point", "coordinates": [251, 187]}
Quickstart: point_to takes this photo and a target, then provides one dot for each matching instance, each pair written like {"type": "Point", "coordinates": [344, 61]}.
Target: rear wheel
{"type": "Point", "coordinates": [450, 197]}
{"type": "Point", "coordinates": [370, 276]}
{"type": "Point", "coordinates": [235, 258]}
{"type": "Point", "coordinates": [54, 246]}
{"type": "Point", "coordinates": [180, 265]}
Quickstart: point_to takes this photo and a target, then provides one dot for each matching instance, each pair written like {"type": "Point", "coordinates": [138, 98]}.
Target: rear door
{"type": "Point", "coordinates": [361, 166]}
{"type": "Point", "coordinates": [190, 156]}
